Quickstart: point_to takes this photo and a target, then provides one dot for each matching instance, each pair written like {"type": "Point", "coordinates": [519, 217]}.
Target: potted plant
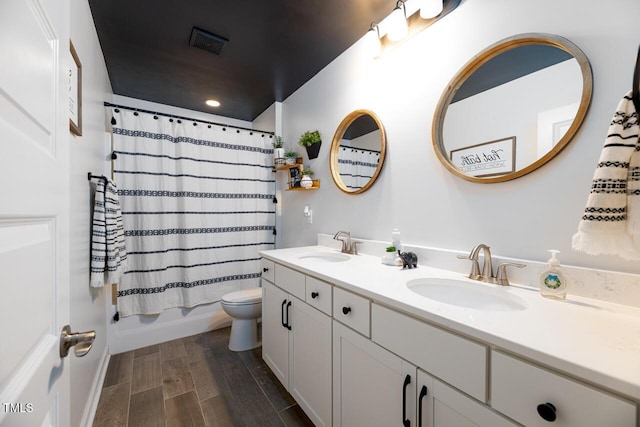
{"type": "Point", "coordinates": [390, 257]}
{"type": "Point", "coordinates": [311, 141]}
{"type": "Point", "coordinates": [306, 181]}
{"type": "Point", "coordinates": [278, 149]}
{"type": "Point", "coordinates": [291, 157]}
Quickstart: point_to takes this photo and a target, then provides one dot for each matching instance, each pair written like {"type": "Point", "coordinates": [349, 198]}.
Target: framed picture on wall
{"type": "Point", "coordinates": [74, 90]}
{"type": "Point", "coordinates": [295, 175]}
{"type": "Point", "coordinates": [489, 158]}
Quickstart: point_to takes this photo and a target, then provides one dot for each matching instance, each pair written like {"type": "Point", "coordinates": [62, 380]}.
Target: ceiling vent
{"type": "Point", "coordinates": [207, 41]}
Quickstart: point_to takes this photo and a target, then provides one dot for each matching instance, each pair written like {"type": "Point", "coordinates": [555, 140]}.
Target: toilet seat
{"type": "Point", "coordinates": [243, 297]}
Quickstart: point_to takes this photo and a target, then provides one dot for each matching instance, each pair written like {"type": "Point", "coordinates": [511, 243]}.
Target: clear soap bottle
{"type": "Point", "coordinates": [553, 283]}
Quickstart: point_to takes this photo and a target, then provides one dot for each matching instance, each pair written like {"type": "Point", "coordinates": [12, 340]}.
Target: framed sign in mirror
{"type": "Point", "coordinates": [486, 159]}
{"type": "Point", "coordinates": [74, 90]}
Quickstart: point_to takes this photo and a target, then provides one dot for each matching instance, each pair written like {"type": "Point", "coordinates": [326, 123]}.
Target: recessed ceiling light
{"type": "Point", "coordinates": [212, 103]}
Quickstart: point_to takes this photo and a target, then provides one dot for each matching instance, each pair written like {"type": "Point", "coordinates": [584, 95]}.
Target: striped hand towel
{"type": "Point", "coordinates": [108, 253]}
{"type": "Point", "coordinates": [611, 221]}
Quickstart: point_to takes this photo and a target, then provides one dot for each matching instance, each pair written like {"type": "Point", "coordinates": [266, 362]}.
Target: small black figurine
{"type": "Point", "coordinates": [409, 259]}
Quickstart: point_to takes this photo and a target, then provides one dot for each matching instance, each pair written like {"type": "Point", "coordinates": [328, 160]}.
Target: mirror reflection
{"type": "Point", "coordinates": [357, 152]}
{"type": "Point", "coordinates": [512, 108]}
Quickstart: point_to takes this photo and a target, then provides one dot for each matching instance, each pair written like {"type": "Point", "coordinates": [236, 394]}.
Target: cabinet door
{"type": "Point", "coordinates": [454, 409]}
{"type": "Point", "coordinates": [424, 404]}
{"type": "Point", "coordinates": [275, 334]}
{"type": "Point", "coordinates": [369, 383]}
{"type": "Point", "coordinates": [310, 362]}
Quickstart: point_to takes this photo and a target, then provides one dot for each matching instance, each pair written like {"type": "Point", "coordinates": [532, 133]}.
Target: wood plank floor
{"type": "Point", "coordinates": [194, 381]}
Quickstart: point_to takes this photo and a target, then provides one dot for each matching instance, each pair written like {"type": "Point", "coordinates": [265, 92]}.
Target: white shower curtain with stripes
{"type": "Point", "coordinates": [357, 166]}
{"type": "Point", "coordinates": [197, 204]}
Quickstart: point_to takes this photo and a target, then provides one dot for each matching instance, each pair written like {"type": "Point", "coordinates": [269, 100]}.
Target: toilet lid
{"type": "Point", "coordinates": [246, 296]}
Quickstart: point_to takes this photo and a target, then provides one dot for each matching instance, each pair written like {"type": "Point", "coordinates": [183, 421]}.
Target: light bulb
{"type": "Point", "coordinates": [398, 27]}
{"type": "Point", "coordinates": [372, 43]}
{"type": "Point", "coordinates": [212, 103]}
{"type": "Point", "coordinates": [430, 8]}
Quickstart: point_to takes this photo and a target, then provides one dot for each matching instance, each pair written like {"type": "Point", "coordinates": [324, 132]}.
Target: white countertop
{"type": "Point", "coordinates": [596, 341]}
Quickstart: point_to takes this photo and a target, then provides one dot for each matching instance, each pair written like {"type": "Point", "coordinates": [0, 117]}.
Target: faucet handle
{"type": "Point", "coordinates": [475, 267]}
{"type": "Point", "coordinates": [501, 277]}
{"type": "Point", "coordinates": [354, 246]}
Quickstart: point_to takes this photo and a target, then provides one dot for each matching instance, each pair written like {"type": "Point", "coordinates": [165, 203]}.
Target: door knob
{"type": "Point", "coordinates": [82, 341]}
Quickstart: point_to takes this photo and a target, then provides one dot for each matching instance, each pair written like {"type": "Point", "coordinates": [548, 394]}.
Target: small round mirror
{"type": "Point", "coordinates": [357, 151]}
{"type": "Point", "coordinates": [512, 108]}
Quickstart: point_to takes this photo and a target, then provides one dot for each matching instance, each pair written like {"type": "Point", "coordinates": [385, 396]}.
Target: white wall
{"type": "Point", "coordinates": [432, 207]}
{"type": "Point", "coordinates": [87, 155]}
{"type": "Point", "coordinates": [512, 109]}
{"type": "Point", "coordinates": [266, 121]}
{"type": "Point", "coordinates": [139, 331]}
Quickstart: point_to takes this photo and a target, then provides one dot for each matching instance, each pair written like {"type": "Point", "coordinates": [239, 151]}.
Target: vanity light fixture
{"type": "Point", "coordinates": [430, 8]}
{"type": "Point", "coordinates": [212, 103]}
{"type": "Point", "coordinates": [372, 41]}
{"type": "Point", "coordinates": [405, 22]}
{"type": "Point", "coordinates": [398, 27]}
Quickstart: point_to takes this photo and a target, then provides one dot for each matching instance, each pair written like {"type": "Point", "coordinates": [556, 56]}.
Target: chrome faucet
{"type": "Point", "coordinates": [348, 246]}
{"type": "Point", "coordinates": [486, 275]}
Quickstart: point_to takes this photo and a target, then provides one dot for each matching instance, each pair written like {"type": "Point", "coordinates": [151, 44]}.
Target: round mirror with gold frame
{"type": "Point", "coordinates": [512, 108]}
{"type": "Point", "coordinates": [357, 152]}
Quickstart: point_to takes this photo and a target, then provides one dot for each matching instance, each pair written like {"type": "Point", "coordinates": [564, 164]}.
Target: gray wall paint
{"type": "Point", "coordinates": [521, 218]}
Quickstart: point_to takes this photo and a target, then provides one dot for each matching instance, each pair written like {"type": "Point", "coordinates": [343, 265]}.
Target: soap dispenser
{"type": "Point", "coordinates": [395, 239]}
{"type": "Point", "coordinates": [553, 283]}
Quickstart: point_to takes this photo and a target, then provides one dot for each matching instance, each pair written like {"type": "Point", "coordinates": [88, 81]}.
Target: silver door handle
{"type": "Point", "coordinates": [82, 341]}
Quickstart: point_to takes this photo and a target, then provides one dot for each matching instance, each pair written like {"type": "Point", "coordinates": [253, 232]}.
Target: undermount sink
{"type": "Point", "coordinates": [466, 294]}
{"type": "Point", "coordinates": [326, 257]}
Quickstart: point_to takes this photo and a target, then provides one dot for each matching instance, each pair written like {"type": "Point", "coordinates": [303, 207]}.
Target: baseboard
{"type": "Point", "coordinates": [96, 391]}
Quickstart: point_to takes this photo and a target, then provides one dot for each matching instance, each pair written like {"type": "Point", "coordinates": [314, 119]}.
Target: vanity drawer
{"type": "Point", "coordinates": [268, 270]}
{"type": "Point", "coordinates": [456, 360]}
{"type": "Point", "coordinates": [290, 280]}
{"type": "Point", "coordinates": [318, 294]}
{"type": "Point", "coordinates": [518, 388]}
{"type": "Point", "coordinates": [352, 310]}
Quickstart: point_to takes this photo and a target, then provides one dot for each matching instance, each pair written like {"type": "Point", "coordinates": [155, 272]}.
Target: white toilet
{"type": "Point", "coordinates": [245, 307]}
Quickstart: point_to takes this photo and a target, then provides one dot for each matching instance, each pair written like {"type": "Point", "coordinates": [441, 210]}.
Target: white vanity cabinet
{"type": "Point", "coordinates": [368, 383]}
{"type": "Point", "coordinates": [374, 387]}
{"type": "Point", "coordinates": [535, 396]}
{"type": "Point", "coordinates": [454, 359]}
{"type": "Point", "coordinates": [296, 343]}
{"type": "Point", "coordinates": [352, 357]}
{"type": "Point", "coordinates": [440, 405]}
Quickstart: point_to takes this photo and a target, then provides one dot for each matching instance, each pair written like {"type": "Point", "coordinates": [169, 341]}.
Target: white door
{"type": "Point", "coordinates": [34, 205]}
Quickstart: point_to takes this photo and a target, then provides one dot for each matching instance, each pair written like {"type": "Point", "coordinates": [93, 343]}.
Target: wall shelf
{"type": "Point", "coordinates": [287, 167]}
{"type": "Point", "coordinates": [295, 177]}
{"type": "Point", "coordinates": [316, 186]}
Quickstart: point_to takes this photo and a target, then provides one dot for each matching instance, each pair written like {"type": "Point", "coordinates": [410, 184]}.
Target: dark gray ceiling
{"type": "Point", "coordinates": [274, 47]}
{"type": "Point", "coordinates": [510, 65]}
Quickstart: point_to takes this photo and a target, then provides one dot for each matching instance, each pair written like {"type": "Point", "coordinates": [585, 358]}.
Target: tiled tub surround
{"type": "Point", "coordinates": [595, 341]}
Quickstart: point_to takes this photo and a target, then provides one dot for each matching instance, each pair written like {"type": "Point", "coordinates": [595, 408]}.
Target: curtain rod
{"type": "Point", "coordinates": [346, 147]}
{"type": "Point", "coordinates": [124, 107]}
